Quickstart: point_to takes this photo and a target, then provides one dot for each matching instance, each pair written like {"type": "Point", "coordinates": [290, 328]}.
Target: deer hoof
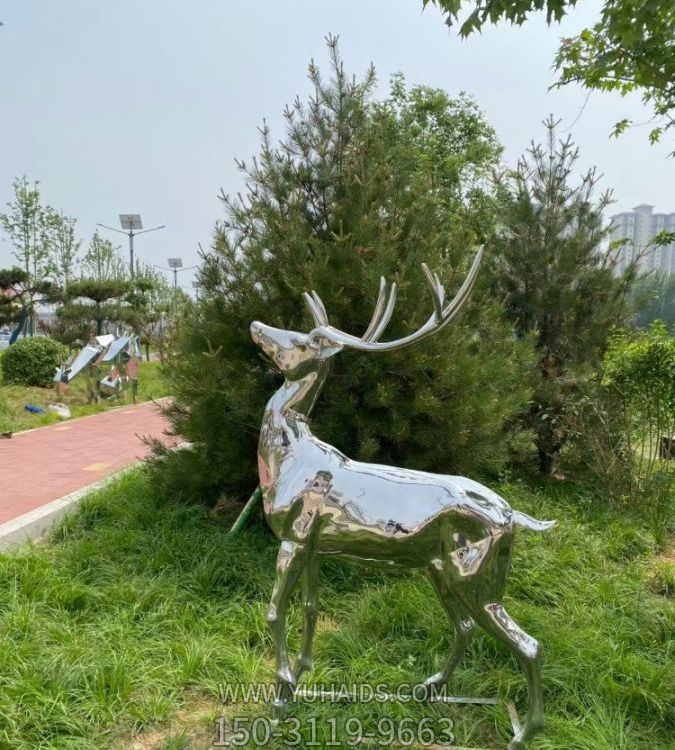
{"type": "Point", "coordinates": [278, 710]}
{"type": "Point", "coordinates": [304, 664]}
{"type": "Point", "coordinates": [436, 680]}
{"type": "Point", "coordinates": [285, 689]}
{"type": "Point", "coordinates": [526, 734]}
{"type": "Point", "coordinates": [431, 686]}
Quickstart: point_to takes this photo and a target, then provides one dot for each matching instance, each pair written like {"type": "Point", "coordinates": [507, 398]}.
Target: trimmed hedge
{"type": "Point", "coordinates": [32, 361]}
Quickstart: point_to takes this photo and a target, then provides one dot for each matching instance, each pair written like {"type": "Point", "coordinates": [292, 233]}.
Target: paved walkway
{"type": "Point", "coordinates": [41, 465]}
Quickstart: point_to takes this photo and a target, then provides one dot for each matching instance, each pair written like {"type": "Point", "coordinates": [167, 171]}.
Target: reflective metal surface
{"type": "Point", "coordinates": [115, 348]}
{"type": "Point", "coordinates": [319, 502]}
{"type": "Point", "coordinates": [122, 351]}
{"type": "Point", "coordinates": [113, 379]}
{"type": "Point", "coordinates": [84, 357]}
{"type": "Point", "coordinates": [105, 340]}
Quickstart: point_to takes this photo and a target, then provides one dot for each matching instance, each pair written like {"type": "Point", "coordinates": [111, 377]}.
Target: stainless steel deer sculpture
{"type": "Point", "coordinates": [319, 502]}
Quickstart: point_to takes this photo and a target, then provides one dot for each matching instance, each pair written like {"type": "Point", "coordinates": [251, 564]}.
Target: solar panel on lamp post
{"type": "Point", "coordinates": [175, 264]}
{"type": "Point", "coordinates": [131, 226]}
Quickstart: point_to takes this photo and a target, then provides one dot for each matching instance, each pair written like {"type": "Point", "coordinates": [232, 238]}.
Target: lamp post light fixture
{"type": "Point", "coordinates": [131, 226]}
{"type": "Point", "coordinates": [175, 265]}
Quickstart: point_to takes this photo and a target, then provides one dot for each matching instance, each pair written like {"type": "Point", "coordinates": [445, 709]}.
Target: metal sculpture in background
{"type": "Point", "coordinates": [120, 355]}
{"type": "Point", "coordinates": [319, 502]}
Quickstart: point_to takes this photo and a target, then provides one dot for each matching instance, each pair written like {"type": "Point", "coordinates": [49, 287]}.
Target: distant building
{"type": "Point", "coordinates": [639, 227]}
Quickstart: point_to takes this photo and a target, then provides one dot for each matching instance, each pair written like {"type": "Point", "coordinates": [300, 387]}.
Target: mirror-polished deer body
{"type": "Point", "coordinates": [319, 502]}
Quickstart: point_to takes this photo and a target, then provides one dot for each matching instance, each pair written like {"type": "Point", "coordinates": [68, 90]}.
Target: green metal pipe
{"type": "Point", "coordinates": [246, 512]}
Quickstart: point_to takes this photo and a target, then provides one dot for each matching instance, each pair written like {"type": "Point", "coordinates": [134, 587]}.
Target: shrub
{"type": "Point", "coordinates": [623, 419]}
{"type": "Point", "coordinates": [641, 369]}
{"type": "Point", "coordinates": [32, 361]}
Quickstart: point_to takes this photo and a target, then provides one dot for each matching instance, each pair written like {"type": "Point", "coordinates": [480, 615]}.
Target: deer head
{"type": "Point", "coordinates": [297, 354]}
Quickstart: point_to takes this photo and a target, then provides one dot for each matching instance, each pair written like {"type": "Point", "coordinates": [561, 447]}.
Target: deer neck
{"type": "Point", "coordinates": [285, 423]}
{"type": "Point", "coordinates": [293, 402]}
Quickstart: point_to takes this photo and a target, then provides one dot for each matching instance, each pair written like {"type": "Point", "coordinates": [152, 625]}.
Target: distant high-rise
{"type": "Point", "coordinates": [639, 227]}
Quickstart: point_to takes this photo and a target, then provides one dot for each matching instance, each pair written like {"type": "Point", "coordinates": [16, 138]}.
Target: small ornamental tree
{"type": "Point", "coordinates": [27, 224]}
{"type": "Point", "coordinates": [13, 298]}
{"type": "Point", "coordinates": [357, 189]}
{"type": "Point", "coordinates": [91, 300]}
{"type": "Point", "coordinates": [95, 299]}
{"type": "Point", "coordinates": [19, 296]}
{"type": "Point", "coordinates": [149, 302]}
{"type": "Point", "coordinates": [556, 282]}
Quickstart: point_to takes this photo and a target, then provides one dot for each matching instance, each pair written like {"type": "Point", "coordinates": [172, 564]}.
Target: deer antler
{"type": "Point", "coordinates": [384, 309]}
{"type": "Point", "coordinates": [316, 307]}
{"type": "Point", "coordinates": [441, 316]}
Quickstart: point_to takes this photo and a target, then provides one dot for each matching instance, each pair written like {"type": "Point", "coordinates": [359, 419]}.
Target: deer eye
{"type": "Point", "coordinates": [299, 343]}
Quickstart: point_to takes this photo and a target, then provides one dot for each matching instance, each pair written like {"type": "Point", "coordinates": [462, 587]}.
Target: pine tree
{"type": "Point", "coordinates": [357, 189]}
{"type": "Point", "coordinates": [556, 280]}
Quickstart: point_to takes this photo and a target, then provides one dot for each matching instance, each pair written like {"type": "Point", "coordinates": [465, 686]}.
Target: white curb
{"type": "Point", "coordinates": [33, 524]}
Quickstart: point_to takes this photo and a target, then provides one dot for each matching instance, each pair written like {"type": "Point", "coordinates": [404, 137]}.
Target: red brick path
{"type": "Point", "coordinates": [47, 463]}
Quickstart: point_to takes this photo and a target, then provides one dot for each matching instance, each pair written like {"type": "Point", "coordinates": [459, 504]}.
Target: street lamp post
{"type": "Point", "coordinates": [175, 265]}
{"type": "Point", "coordinates": [131, 226]}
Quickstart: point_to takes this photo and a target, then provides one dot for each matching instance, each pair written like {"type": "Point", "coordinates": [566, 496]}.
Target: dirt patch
{"type": "Point", "coordinates": [327, 624]}
{"type": "Point", "coordinates": [660, 576]}
{"type": "Point", "coordinates": [192, 727]}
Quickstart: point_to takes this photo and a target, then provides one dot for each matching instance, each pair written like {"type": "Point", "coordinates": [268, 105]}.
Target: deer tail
{"type": "Point", "coordinates": [527, 522]}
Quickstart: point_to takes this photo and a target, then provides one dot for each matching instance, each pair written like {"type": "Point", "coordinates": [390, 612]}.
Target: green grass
{"type": "Point", "coordinates": [13, 399]}
{"type": "Point", "coordinates": [118, 632]}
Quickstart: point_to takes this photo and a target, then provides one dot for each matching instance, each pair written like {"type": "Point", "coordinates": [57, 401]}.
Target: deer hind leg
{"type": "Point", "coordinates": [463, 623]}
{"type": "Point", "coordinates": [495, 619]}
{"type": "Point", "coordinates": [310, 582]}
{"type": "Point", "coordinates": [290, 563]}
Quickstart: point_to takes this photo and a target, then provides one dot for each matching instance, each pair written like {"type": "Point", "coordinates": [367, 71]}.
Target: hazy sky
{"type": "Point", "coordinates": [141, 106]}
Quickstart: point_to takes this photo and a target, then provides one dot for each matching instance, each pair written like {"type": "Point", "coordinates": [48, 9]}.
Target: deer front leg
{"type": "Point", "coordinates": [310, 583]}
{"type": "Point", "coordinates": [290, 563]}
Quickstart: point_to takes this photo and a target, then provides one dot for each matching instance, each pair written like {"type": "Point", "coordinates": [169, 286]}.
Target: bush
{"type": "Point", "coordinates": [357, 190]}
{"type": "Point", "coordinates": [623, 419]}
{"type": "Point", "coordinates": [32, 361]}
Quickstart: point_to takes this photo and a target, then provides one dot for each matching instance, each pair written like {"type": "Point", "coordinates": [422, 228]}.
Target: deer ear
{"type": "Point", "coordinates": [325, 346]}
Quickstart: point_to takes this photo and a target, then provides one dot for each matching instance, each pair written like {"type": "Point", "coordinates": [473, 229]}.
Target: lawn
{"type": "Point", "coordinates": [13, 399]}
{"type": "Point", "coordinates": [119, 631]}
